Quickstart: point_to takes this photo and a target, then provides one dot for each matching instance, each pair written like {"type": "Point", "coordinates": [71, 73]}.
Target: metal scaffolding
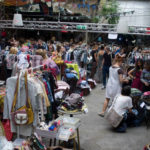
{"type": "Point", "coordinates": [74, 27]}
{"type": "Point", "coordinates": [139, 30]}
{"type": "Point", "coordinates": [2, 11]}
{"type": "Point", "coordinates": [61, 26]}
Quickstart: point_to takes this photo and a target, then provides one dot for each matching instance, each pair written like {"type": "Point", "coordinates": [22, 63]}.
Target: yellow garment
{"type": "Point", "coordinates": [73, 111]}
{"type": "Point", "coordinates": [74, 66]}
{"type": "Point", "coordinates": [47, 102]}
{"type": "Point", "coordinates": [2, 132]}
{"type": "Point", "coordinates": [84, 107]}
{"type": "Point", "coordinates": [41, 89]}
{"type": "Point", "coordinates": [1, 100]}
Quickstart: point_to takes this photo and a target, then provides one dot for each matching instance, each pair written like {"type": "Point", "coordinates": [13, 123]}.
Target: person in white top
{"type": "Point", "coordinates": [114, 83]}
{"type": "Point", "coordinates": [123, 102]}
{"type": "Point", "coordinates": [123, 106]}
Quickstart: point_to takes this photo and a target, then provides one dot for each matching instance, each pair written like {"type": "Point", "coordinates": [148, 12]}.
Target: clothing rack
{"type": "Point", "coordinates": [40, 67]}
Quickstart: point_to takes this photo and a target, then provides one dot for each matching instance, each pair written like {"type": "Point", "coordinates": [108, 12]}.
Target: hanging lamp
{"type": "Point", "coordinates": [17, 19]}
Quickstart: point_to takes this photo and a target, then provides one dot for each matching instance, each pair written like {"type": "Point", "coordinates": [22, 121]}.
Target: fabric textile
{"type": "Point", "coordinates": [32, 91]}
{"type": "Point", "coordinates": [137, 81]}
{"type": "Point", "coordinates": [105, 72]}
{"type": "Point", "coordinates": [107, 59]}
{"type": "Point", "coordinates": [145, 76]}
{"type": "Point", "coordinates": [113, 85]}
{"type": "Point", "coordinates": [10, 60]}
{"type": "Point", "coordinates": [74, 66]}
{"type": "Point", "coordinates": [36, 60]}
{"type": "Point", "coordinates": [122, 104]}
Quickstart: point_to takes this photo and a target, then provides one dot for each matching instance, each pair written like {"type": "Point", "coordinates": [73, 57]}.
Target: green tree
{"type": "Point", "coordinates": [109, 11]}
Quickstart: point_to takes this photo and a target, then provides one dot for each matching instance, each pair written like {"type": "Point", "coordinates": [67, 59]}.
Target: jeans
{"type": "Point", "coordinates": [105, 74]}
{"type": "Point", "coordinates": [122, 127]}
{"type": "Point", "coordinates": [131, 120]}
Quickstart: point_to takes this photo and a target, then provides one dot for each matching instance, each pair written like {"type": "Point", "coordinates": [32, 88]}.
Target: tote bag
{"type": "Point", "coordinates": [113, 117]}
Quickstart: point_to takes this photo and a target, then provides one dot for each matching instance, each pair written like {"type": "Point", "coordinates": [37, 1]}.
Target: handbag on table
{"type": "Point", "coordinates": [113, 117]}
{"type": "Point", "coordinates": [23, 115]}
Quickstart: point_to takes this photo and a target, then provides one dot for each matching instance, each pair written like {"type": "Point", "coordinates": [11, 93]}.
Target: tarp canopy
{"type": "Point", "coordinates": [26, 2]}
{"type": "Point", "coordinates": [16, 2]}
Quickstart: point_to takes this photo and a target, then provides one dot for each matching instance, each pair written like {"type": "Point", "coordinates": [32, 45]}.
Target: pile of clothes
{"type": "Point", "coordinates": [146, 97]}
{"type": "Point", "coordinates": [72, 103]}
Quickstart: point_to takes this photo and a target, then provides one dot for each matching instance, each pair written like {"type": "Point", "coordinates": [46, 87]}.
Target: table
{"type": "Point", "coordinates": [53, 134]}
{"type": "Point", "coordinates": [71, 115]}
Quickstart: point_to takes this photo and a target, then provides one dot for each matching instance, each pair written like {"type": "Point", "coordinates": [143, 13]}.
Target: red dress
{"type": "Point", "coordinates": [137, 81]}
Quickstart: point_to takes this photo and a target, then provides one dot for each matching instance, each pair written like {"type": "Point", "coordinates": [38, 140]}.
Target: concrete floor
{"type": "Point", "coordinates": [97, 134]}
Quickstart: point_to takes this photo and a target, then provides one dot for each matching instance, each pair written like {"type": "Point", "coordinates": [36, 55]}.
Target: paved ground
{"type": "Point", "coordinates": [96, 133]}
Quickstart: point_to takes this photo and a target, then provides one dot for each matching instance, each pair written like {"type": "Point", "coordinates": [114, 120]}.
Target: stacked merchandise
{"type": "Point", "coordinates": [146, 97]}
{"type": "Point", "coordinates": [72, 103]}
{"type": "Point", "coordinates": [136, 96]}
{"type": "Point", "coordinates": [62, 128]}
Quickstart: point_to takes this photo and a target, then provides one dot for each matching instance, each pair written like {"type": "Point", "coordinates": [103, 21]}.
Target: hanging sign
{"type": "Point", "coordinates": [112, 36]}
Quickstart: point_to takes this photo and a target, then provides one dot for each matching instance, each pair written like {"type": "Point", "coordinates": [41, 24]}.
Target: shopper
{"type": "Point", "coordinates": [114, 84]}
{"type": "Point", "coordinates": [145, 76]}
{"type": "Point", "coordinates": [106, 63]}
{"type": "Point", "coordinates": [94, 60]}
{"type": "Point", "coordinates": [122, 104]}
{"type": "Point", "coordinates": [135, 75]}
{"type": "Point", "coordinates": [99, 65]}
{"type": "Point", "coordinates": [134, 53]}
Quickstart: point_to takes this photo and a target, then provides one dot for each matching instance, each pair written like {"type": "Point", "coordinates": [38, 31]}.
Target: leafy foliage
{"type": "Point", "coordinates": [109, 11]}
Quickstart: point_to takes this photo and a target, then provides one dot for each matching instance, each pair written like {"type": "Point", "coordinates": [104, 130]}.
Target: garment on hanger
{"type": "Point", "coordinates": [36, 60]}
{"type": "Point", "coordinates": [51, 65]}
{"type": "Point", "coordinates": [36, 102]}
{"type": "Point", "coordinates": [10, 60]}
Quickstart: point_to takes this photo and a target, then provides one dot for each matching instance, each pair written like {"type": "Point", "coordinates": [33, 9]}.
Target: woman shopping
{"type": "Point", "coordinates": [99, 77]}
{"type": "Point", "coordinates": [114, 84]}
{"type": "Point", "coordinates": [135, 74]}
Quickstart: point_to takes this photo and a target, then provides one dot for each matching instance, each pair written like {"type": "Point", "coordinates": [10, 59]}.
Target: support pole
{"type": "Point", "coordinates": [86, 37]}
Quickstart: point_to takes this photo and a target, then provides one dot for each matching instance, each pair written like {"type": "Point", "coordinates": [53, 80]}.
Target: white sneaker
{"type": "Point", "coordinates": [103, 87]}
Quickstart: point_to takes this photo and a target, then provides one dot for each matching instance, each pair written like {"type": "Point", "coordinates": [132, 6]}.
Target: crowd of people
{"type": "Point", "coordinates": [115, 67]}
{"type": "Point", "coordinates": [119, 85]}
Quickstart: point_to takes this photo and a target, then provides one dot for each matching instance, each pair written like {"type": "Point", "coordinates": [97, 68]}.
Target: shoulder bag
{"type": "Point", "coordinates": [112, 116]}
{"type": "Point", "coordinates": [23, 115]}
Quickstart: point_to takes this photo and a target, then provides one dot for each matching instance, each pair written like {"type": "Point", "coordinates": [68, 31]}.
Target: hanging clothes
{"type": "Point", "coordinates": [51, 65]}
{"type": "Point", "coordinates": [25, 130]}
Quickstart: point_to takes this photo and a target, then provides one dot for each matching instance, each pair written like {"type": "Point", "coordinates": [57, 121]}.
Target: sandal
{"type": "Point", "coordinates": [101, 114]}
